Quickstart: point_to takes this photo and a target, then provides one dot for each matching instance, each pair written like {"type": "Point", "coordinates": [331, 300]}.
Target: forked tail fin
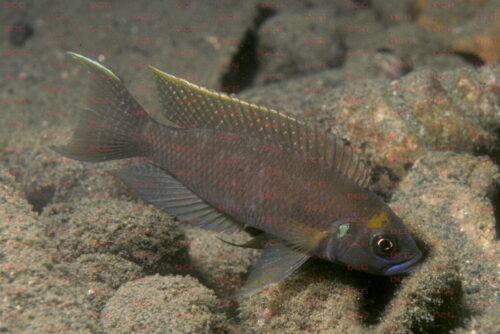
{"type": "Point", "coordinates": [113, 123]}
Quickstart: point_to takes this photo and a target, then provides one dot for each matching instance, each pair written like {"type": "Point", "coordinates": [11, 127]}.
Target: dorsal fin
{"type": "Point", "coordinates": [189, 105]}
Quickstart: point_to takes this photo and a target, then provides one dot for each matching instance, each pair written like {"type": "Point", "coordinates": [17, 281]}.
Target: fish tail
{"type": "Point", "coordinates": [112, 125]}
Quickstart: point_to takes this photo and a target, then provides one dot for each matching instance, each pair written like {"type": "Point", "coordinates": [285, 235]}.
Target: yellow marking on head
{"type": "Point", "coordinates": [378, 220]}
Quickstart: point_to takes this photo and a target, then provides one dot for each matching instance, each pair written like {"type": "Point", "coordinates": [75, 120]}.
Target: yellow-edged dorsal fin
{"type": "Point", "coordinates": [188, 105]}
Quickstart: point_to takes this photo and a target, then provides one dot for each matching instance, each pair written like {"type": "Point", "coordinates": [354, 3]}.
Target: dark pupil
{"type": "Point", "coordinates": [384, 244]}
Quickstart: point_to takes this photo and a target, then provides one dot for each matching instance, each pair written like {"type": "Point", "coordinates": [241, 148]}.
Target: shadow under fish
{"type": "Point", "coordinates": [224, 164]}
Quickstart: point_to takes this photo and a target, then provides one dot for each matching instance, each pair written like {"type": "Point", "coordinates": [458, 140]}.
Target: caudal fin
{"type": "Point", "coordinates": [111, 126]}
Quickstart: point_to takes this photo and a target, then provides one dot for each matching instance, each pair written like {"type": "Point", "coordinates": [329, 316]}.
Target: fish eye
{"type": "Point", "coordinates": [383, 245]}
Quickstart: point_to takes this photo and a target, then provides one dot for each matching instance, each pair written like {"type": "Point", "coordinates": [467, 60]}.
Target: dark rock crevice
{"type": "Point", "coordinates": [244, 65]}
{"type": "Point", "coordinates": [470, 58]}
{"type": "Point", "coordinates": [493, 152]}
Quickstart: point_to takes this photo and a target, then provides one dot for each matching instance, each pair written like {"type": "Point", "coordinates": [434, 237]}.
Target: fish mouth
{"type": "Point", "coordinates": [404, 267]}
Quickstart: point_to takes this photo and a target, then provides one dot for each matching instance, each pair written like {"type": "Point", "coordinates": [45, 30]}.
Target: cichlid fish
{"type": "Point", "coordinates": [224, 164]}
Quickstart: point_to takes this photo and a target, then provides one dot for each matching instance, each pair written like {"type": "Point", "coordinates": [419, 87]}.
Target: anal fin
{"type": "Point", "coordinates": [158, 187]}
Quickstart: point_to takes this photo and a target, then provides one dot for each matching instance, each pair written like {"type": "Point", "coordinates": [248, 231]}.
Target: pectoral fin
{"type": "Point", "coordinates": [276, 262]}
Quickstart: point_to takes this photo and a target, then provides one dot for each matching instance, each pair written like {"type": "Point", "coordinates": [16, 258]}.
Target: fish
{"type": "Point", "coordinates": [225, 165]}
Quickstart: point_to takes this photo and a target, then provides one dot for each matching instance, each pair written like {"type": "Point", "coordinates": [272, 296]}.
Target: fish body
{"type": "Point", "coordinates": [271, 189]}
{"type": "Point", "coordinates": [224, 164]}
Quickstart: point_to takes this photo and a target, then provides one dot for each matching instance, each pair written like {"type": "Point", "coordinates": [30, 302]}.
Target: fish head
{"type": "Point", "coordinates": [379, 245]}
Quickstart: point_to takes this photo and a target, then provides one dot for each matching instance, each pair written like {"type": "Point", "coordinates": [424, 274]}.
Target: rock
{"type": "Point", "coordinates": [155, 304]}
{"type": "Point", "coordinates": [100, 275]}
{"type": "Point", "coordinates": [37, 297]}
{"type": "Point", "coordinates": [470, 28]}
{"type": "Point", "coordinates": [219, 266]}
{"type": "Point", "coordinates": [480, 36]}
{"type": "Point", "coordinates": [293, 43]}
{"type": "Point", "coordinates": [394, 11]}
{"type": "Point", "coordinates": [449, 196]}
{"type": "Point", "coordinates": [138, 233]}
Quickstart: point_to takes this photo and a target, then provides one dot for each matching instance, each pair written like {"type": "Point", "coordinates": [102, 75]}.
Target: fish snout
{"type": "Point", "coordinates": [405, 267]}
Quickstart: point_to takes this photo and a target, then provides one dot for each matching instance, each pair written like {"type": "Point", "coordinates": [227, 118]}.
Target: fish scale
{"type": "Point", "coordinates": [314, 202]}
